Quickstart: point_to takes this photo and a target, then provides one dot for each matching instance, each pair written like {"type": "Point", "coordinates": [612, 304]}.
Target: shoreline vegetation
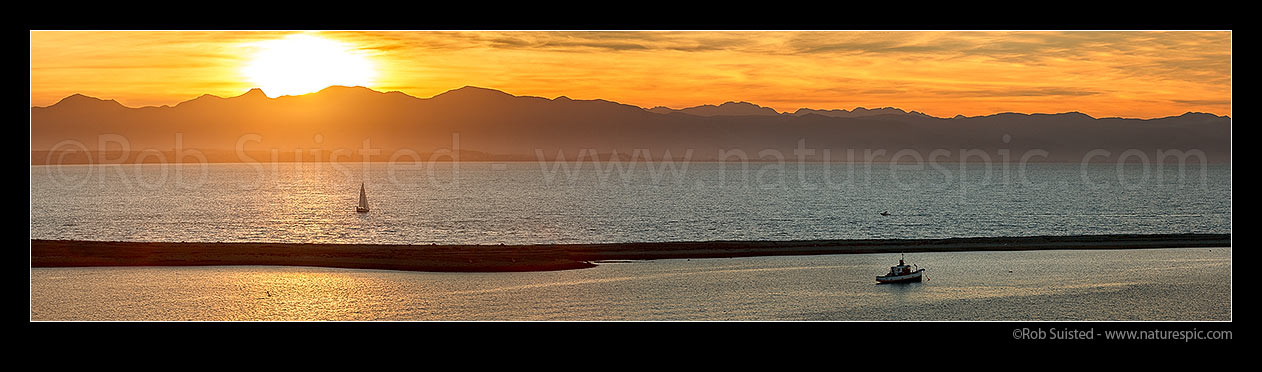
{"type": "Point", "coordinates": [549, 257]}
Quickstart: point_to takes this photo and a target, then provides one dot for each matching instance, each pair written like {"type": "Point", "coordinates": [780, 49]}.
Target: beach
{"type": "Point", "coordinates": [549, 257]}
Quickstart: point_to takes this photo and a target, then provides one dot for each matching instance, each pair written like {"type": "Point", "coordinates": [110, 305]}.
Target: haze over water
{"type": "Point", "coordinates": [531, 203]}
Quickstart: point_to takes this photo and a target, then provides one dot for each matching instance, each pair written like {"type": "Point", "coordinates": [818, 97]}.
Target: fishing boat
{"type": "Point", "coordinates": [363, 200]}
{"type": "Point", "coordinates": [903, 273]}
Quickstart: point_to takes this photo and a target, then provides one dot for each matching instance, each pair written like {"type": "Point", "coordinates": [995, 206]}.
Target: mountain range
{"type": "Point", "coordinates": [493, 123]}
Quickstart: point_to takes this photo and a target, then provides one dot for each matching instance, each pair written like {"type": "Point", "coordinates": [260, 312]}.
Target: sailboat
{"type": "Point", "coordinates": [363, 200]}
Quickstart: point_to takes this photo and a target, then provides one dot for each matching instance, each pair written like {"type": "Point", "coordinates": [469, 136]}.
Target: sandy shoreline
{"type": "Point", "coordinates": [547, 257]}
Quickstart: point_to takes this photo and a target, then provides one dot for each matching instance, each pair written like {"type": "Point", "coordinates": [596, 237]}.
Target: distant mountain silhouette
{"type": "Point", "coordinates": [857, 112]}
{"type": "Point", "coordinates": [726, 109]}
{"type": "Point", "coordinates": [494, 122]}
{"type": "Point", "coordinates": [79, 100]}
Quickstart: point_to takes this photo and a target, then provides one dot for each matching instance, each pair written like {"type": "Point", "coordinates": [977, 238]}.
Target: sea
{"type": "Point", "coordinates": [574, 202]}
{"type": "Point", "coordinates": [569, 202]}
{"type": "Point", "coordinates": [1191, 284]}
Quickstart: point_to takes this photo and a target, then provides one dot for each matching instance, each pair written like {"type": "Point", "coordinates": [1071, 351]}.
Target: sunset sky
{"type": "Point", "coordinates": [1103, 74]}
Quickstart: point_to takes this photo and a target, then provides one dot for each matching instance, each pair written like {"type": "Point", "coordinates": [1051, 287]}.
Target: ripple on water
{"type": "Point", "coordinates": [1159, 284]}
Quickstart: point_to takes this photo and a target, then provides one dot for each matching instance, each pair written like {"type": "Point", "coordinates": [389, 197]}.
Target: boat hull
{"type": "Point", "coordinates": [361, 210]}
{"type": "Point", "coordinates": [914, 276]}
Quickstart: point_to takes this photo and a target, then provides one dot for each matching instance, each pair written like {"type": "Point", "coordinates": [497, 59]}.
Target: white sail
{"type": "Point", "coordinates": [363, 198]}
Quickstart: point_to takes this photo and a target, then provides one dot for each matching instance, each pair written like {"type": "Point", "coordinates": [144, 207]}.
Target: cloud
{"type": "Point", "coordinates": [1202, 102]}
{"type": "Point", "coordinates": [1015, 92]}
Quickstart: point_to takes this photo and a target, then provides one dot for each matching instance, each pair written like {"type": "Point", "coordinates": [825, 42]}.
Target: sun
{"type": "Point", "coordinates": [301, 64]}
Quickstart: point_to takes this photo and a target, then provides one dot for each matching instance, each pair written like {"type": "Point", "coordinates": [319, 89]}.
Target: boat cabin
{"type": "Point", "coordinates": [901, 269]}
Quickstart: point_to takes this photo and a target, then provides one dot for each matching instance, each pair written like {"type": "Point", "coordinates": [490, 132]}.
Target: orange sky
{"type": "Point", "coordinates": [1103, 74]}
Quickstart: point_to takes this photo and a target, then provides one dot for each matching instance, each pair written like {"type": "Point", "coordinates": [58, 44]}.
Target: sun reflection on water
{"type": "Point", "coordinates": [1054, 285]}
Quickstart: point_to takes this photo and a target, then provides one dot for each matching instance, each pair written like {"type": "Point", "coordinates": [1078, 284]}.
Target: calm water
{"type": "Point", "coordinates": [1151, 284]}
{"type": "Point", "coordinates": [486, 203]}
